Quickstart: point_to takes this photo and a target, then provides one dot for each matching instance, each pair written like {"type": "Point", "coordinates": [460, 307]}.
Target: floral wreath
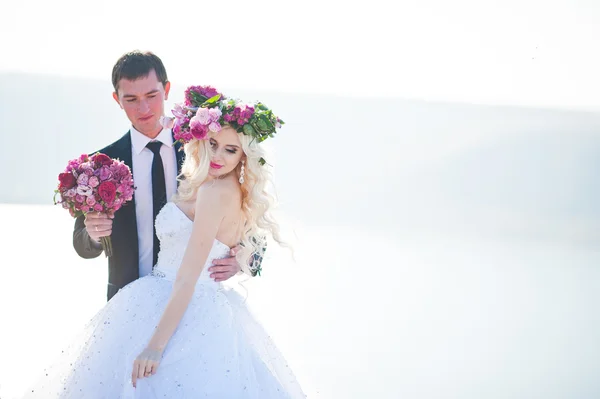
{"type": "Point", "coordinates": [205, 109]}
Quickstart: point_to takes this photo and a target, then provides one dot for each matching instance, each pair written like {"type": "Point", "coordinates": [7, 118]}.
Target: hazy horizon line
{"type": "Point", "coordinates": [373, 97]}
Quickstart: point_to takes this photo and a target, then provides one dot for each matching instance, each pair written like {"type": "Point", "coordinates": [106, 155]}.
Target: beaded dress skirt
{"type": "Point", "coordinates": [219, 350]}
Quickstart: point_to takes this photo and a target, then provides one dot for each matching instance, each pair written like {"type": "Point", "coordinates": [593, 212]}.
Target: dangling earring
{"type": "Point", "coordinates": [242, 174]}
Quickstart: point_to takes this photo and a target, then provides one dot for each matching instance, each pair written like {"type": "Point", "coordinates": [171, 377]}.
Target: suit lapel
{"type": "Point", "coordinates": [127, 214]}
{"type": "Point", "coordinates": [129, 219]}
{"type": "Point", "coordinates": [124, 149]}
{"type": "Point", "coordinates": [179, 154]}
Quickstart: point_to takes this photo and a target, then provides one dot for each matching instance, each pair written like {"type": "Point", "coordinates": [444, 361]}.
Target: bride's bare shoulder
{"type": "Point", "coordinates": [223, 190]}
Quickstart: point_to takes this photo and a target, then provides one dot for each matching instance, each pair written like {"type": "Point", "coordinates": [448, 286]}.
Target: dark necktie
{"type": "Point", "coordinates": [159, 191]}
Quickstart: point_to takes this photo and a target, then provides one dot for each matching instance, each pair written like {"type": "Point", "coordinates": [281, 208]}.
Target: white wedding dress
{"type": "Point", "coordinates": [218, 350]}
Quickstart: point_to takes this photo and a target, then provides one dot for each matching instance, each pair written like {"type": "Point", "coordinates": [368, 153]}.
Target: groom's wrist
{"type": "Point", "coordinates": [95, 244]}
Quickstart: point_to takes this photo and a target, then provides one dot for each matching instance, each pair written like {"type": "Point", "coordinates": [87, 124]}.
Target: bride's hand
{"type": "Point", "coordinates": [145, 364]}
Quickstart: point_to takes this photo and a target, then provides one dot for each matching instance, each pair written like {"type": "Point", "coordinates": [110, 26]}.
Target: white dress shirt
{"type": "Point", "coordinates": [142, 177]}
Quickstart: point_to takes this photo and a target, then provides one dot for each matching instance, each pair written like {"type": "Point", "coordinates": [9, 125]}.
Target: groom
{"type": "Point", "coordinates": [141, 88]}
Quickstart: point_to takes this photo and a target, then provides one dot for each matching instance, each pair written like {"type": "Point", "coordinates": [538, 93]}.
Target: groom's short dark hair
{"type": "Point", "coordinates": [135, 65]}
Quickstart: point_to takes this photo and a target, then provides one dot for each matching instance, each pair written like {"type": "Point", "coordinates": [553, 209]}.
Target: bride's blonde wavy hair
{"type": "Point", "coordinates": [257, 201]}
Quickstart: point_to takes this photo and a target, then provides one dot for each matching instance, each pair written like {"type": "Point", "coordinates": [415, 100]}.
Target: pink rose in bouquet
{"type": "Point", "coordinates": [107, 192]}
{"type": "Point", "coordinates": [95, 183]}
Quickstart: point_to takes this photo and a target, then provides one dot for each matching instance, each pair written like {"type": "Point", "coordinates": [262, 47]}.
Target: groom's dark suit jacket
{"type": "Point", "coordinates": [123, 264]}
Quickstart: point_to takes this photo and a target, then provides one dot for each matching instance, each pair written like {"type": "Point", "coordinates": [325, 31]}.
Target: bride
{"type": "Point", "coordinates": [177, 333]}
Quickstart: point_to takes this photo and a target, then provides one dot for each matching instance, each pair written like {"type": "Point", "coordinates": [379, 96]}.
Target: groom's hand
{"type": "Point", "coordinates": [224, 269]}
{"type": "Point", "coordinates": [98, 225]}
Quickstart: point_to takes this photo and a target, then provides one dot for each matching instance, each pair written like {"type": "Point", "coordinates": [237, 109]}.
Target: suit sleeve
{"type": "Point", "coordinates": [83, 244]}
{"type": "Point", "coordinates": [256, 261]}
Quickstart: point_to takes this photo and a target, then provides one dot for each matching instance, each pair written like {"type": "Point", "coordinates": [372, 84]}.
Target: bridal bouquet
{"type": "Point", "coordinates": [95, 183]}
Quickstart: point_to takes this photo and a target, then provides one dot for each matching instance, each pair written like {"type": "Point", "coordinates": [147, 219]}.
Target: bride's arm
{"type": "Point", "coordinates": [211, 205]}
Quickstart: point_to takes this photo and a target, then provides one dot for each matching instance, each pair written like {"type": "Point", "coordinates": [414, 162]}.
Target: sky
{"type": "Point", "coordinates": [525, 52]}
